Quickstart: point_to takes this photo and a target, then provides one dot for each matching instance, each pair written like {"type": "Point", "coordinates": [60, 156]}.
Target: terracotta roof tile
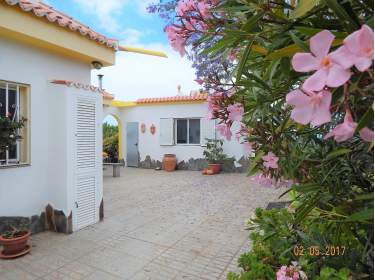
{"type": "Point", "coordinates": [105, 94]}
{"type": "Point", "coordinates": [174, 99]}
{"type": "Point", "coordinates": [44, 11]}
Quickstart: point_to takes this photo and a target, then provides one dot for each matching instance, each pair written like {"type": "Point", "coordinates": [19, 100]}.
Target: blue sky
{"type": "Point", "coordinates": [134, 75]}
{"type": "Point", "coordinates": [117, 20]}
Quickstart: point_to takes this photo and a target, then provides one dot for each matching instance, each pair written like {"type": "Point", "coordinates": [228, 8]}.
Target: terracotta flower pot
{"type": "Point", "coordinates": [215, 167]}
{"type": "Point", "coordinates": [13, 247]}
{"type": "Point", "coordinates": [210, 172]}
{"type": "Point", "coordinates": [169, 162]}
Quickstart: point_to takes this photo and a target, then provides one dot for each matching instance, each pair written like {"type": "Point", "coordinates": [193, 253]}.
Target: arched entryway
{"type": "Point", "coordinates": [112, 139]}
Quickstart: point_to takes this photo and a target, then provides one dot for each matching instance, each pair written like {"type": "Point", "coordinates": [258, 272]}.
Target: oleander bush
{"type": "Point", "coordinates": [298, 77]}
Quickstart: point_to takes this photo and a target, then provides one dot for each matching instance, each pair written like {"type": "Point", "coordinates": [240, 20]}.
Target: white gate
{"type": "Point", "coordinates": [86, 164]}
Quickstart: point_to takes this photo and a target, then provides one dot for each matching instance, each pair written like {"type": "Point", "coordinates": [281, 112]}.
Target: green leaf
{"type": "Point", "coordinates": [283, 52]}
{"type": "Point", "coordinates": [337, 153]}
{"type": "Point", "coordinates": [366, 119]}
{"type": "Point", "coordinates": [253, 166]}
{"type": "Point", "coordinates": [258, 80]}
{"type": "Point", "coordinates": [299, 42]}
{"type": "Point", "coordinates": [364, 215]}
{"type": "Point", "coordinates": [248, 26]}
{"type": "Point", "coordinates": [292, 49]}
{"type": "Point", "coordinates": [349, 24]}
{"type": "Point", "coordinates": [243, 60]}
{"type": "Point", "coordinates": [305, 188]}
{"type": "Point", "coordinates": [366, 196]}
{"type": "Point", "coordinates": [304, 6]}
{"type": "Point", "coordinates": [310, 31]}
{"type": "Point", "coordinates": [219, 45]}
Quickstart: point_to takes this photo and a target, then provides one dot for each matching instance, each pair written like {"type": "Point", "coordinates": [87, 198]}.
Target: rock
{"type": "Point", "coordinates": [228, 165]}
{"type": "Point", "coordinates": [149, 163]}
{"type": "Point", "coordinates": [38, 223]}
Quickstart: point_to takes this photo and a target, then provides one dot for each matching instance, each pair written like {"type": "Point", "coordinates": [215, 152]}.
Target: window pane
{"type": "Point", "coordinates": [2, 156]}
{"type": "Point", "coordinates": [12, 102]}
{"type": "Point", "coordinates": [2, 101]}
{"type": "Point", "coordinates": [181, 131]}
{"type": "Point", "coordinates": [13, 152]}
{"type": "Point", "coordinates": [194, 131]}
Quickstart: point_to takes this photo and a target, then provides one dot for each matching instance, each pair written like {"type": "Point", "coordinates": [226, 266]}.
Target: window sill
{"type": "Point", "coordinates": [15, 165]}
{"type": "Point", "coordinates": [188, 144]}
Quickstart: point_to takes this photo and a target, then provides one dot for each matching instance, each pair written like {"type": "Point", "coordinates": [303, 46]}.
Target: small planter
{"type": "Point", "coordinates": [214, 167]}
{"type": "Point", "coordinates": [16, 245]}
{"type": "Point", "coordinates": [169, 162]}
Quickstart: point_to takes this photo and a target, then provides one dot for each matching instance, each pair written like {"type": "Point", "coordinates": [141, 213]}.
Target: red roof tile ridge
{"type": "Point", "coordinates": [177, 98]}
{"type": "Point", "coordinates": [79, 85]}
{"type": "Point", "coordinates": [40, 9]}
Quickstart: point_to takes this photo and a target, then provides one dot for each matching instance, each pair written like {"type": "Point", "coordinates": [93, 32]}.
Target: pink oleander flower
{"type": "Point", "coordinates": [175, 39]}
{"type": "Point", "coordinates": [231, 92]}
{"type": "Point", "coordinates": [328, 71]}
{"type": "Point", "coordinates": [367, 134]}
{"type": "Point", "coordinates": [204, 9]}
{"type": "Point", "coordinates": [358, 49]}
{"type": "Point", "coordinates": [248, 148]}
{"type": "Point", "coordinates": [290, 273]}
{"type": "Point", "coordinates": [311, 107]}
{"type": "Point", "coordinates": [224, 130]}
{"type": "Point", "coordinates": [236, 112]}
{"type": "Point", "coordinates": [270, 161]}
{"type": "Point", "coordinates": [264, 180]}
{"type": "Point", "coordinates": [212, 106]}
{"type": "Point", "coordinates": [184, 6]}
{"type": "Point", "coordinates": [199, 81]}
{"type": "Point", "coordinates": [344, 131]}
{"type": "Point", "coordinates": [233, 54]}
{"type": "Point", "coordinates": [242, 132]}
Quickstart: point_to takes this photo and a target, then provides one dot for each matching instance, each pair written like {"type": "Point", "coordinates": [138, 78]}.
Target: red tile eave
{"type": "Point", "coordinates": [105, 94]}
{"type": "Point", "coordinates": [173, 99]}
{"type": "Point", "coordinates": [42, 10]}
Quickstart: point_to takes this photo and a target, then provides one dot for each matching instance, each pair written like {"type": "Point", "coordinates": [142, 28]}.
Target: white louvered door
{"type": "Point", "coordinates": [86, 138]}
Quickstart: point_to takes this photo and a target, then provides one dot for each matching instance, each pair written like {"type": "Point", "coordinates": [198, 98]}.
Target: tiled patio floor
{"type": "Point", "coordinates": [158, 225]}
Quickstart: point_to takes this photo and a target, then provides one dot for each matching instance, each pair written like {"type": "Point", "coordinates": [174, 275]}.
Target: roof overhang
{"type": "Point", "coordinates": [22, 26]}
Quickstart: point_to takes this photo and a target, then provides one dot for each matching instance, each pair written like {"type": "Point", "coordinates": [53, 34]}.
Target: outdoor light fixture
{"type": "Point", "coordinates": [97, 65]}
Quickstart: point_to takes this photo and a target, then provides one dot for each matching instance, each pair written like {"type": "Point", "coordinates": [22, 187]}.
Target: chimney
{"type": "Point", "coordinates": [100, 80]}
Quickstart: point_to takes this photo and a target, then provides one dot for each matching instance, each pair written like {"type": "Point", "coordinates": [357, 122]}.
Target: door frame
{"type": "Point", "coordinates": [136, 124]}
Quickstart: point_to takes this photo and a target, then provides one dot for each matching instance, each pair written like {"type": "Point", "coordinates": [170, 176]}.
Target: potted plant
{"type": "Point", "coordinates": [15, 242]}
{"type": "Point", "coordinates": [9, 132]}
{"type": "Point", "coordinates": [214, 155]}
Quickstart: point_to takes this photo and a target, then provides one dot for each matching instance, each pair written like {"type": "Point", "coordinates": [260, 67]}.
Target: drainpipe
{"type": "Point", "coordinates": [100, 79]}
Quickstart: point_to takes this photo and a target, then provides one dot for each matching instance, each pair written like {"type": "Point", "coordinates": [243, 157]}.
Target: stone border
{"type": "Point", "coordinates": [51, 219]}
{"type": "Point", "coordinates": [199, 164]}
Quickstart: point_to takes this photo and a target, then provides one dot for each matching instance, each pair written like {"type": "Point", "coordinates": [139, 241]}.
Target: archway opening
{"type": "Point", "coordinates": [112, 143]}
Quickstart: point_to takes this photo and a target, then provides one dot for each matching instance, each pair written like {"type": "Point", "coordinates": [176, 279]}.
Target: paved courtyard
{"type": "Point", "coordinates": [158, 225]}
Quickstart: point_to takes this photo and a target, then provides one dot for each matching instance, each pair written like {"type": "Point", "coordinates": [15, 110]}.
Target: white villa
{"type": "Point", "coordinates": [53, 178]}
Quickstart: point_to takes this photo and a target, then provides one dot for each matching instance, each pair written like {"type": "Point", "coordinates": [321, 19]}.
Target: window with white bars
{"type": "Point", "coordinates": [14, 105]}
{"type": "Point", "coordinates": [188, 131]}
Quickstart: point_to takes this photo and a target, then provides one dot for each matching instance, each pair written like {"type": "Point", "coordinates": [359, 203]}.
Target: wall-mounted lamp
{"type": "Point", "coordinates": [97, 65]}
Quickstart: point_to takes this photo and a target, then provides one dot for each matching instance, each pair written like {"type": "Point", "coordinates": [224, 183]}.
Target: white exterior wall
{"type": "Point", "coordinates": [25, 191]}
{"type": "Point", "coordinates": [149, 145]}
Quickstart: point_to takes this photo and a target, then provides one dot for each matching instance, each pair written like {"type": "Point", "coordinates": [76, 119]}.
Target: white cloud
{"type": "Point", "coordinates": [105, 11]}
{"type": "Point", "coordinates": [136, 76]}
{"type": "Point", "coordinates": [132, 36]}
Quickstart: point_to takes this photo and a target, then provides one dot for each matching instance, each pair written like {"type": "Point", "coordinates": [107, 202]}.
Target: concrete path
{"type": "Point", "coordinates": [158, 225]}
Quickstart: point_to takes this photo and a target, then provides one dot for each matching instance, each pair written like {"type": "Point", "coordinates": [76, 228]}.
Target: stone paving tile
{"type": "Point", "coordinates": [101, 275]}
{"type": "Point", "coordinates": [158, 225]}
